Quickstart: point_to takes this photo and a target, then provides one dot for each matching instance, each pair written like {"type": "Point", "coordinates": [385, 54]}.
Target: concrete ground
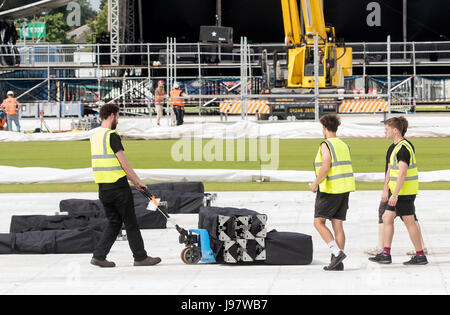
{"type": "Point", "coordinates": [287, 211]}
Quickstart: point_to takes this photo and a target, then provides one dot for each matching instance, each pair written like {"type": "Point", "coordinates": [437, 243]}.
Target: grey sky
{"type": "Point", "coordinates": [95, 4]}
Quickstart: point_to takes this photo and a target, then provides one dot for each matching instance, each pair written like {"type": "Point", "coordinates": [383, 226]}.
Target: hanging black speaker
{"type": "Point", "coordinates": [216, 34]}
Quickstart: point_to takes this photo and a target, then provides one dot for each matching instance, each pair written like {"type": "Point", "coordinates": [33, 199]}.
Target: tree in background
{"type": "Point", "coordinates": [103, 3]}
{"type": "Point", "coordinates": [56, 21]}
{"type": "Point", "coordinates": [57, 29]}
{"type": "Point", "coordinates": [100, 24]}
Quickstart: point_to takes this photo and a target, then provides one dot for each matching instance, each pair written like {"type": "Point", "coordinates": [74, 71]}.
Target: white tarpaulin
{"type": "Point", "coordinates": [291, 211]}
{"type": "Point", "coordinates": [42, 175]}
{"type": "Point", "coordinates": [144, 129]}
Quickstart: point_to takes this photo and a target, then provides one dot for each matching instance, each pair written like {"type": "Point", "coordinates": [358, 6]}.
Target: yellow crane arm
{"type": "Point", "coordinates": [314, 18]}
{"type": "Point", "coordinates": [291, 19]}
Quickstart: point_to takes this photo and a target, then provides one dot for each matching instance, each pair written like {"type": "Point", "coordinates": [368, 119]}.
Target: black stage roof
{"type": "Point", "coordinates": [261, 20]}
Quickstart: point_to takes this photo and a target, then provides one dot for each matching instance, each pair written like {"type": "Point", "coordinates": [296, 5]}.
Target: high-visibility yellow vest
{"type": "Point", "coordinates": [411, 184]}
{"type": "Point", "coordinates": [340, 177]}
{"type": "Point", "coordinates": [106, 166]}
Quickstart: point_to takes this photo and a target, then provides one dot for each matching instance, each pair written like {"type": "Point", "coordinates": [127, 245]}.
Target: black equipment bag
{"type": "Point", "coordinates": [149, 220]}
{"type": "Point", "coordinates": [225, 230]}
{"type": "Point", "coordinates": [209, 219]}
{"type": "Point", "coordinates": [28, 223]}
{"type": "Point", "coordinates": [193, 187]}
{"type": "Point", "coordinates": [287, 248]}
{"type": "Point", "coordinates": [180, 198]}
{"type": "Point", "coordinates": [93, 209]}
{"type": "Point", "coordinates": [176, 201]}
{"type": "Point", "coordinates": [5, 244]}
{"type": "Point", "coordinates": [146, 219]}
{"type": "Point", "coordinates": [82, 207]}
{"type": "Point", "coordinates": [80, 241]}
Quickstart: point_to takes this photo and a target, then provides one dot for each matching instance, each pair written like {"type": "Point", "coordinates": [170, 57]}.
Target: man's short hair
{"type": "Point", "coordinates": [400, 123]}
{"type": "Point", "coordinates": [331, 122]}
{"type": "Point", "coordinates": [107, 110]}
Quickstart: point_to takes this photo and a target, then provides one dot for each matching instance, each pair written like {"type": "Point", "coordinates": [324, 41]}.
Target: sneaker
{"type": "Point", "coordinates": [373, 252]}
{"type": "Point", "coordinates": [102, 263]}
{"type": "Point", "coordinates": [381, 259]}
{"type": "Point", "coordinates": [149, 261]}
{"type": "Point", "coordinates": [413, 252]}
{"type": "Point", "coordinates": [417, 260]}
{"type": "Point", "coordinates": [339, 267]}
{"type": "Point", "coordinates": [335, 261]}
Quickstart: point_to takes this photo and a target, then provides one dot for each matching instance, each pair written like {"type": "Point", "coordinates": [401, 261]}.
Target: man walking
{"type": "Point", "coordinates": [382, 209]}
{"type": "Point", "coordinates": [401, 188]}
{"type": "Point", "coordinates": [112, 172]}
{"type": "Point", "coordinates": [333, 184]}
{"type": "Point", "coordinates": [160, 96]}
{"type": "Point", "coordinates": [11, 107]}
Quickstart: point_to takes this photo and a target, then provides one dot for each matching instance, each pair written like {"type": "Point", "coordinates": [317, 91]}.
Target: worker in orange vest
{"type": "Point", "coordinates": [177, 101]}
{"type": "Point", "coordinates": [160, 96]}
{"type": "Point", "coordinates": [11, 107]}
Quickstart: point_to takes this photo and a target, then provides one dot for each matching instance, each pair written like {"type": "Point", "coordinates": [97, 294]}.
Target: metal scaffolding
{"type": "Point", "coordinates": [122, 27]}
{"type": "Point", "coordinates": [130, 26]}
{"type": "Point", "coordinates": [245, 73]}
{"type": "Point", "coordinates": [64, 72]}
{"type": "Point", "coordinates": [114, 14]}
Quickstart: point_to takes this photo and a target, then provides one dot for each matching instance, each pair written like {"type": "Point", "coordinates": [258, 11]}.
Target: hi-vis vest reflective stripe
{"type": "Point", "coordinates": [175, 98]}
{"type": "Point", "coordinates": [11, 106]}
{"type": "Point", "coordinates": [340, 177]}
{"type": "Point", "coordinates": [105, 164]}
{"type": "Point", "coordinates": [411, 184]}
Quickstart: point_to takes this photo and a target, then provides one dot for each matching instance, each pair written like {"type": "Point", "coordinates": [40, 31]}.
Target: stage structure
{"type": "Point", "coordinates": [225, 78]}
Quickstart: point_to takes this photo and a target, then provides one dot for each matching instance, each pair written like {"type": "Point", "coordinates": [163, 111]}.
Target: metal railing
{"type": "Point", "coordinates": [191, 54]}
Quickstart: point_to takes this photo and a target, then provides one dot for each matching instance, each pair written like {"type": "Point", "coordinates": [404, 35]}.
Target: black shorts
{"type": "Point", "coordinates": [405, 206]}
{"type": "Point", "coordinates": [331, 206]}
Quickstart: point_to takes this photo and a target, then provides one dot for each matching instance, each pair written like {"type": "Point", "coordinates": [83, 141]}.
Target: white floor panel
{"type": "Point", "coordinates": [287, 211]}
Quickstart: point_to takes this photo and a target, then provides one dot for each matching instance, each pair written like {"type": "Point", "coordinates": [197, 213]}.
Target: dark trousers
{"type": "Point", "coordinates": [119, 209]}
{"type": "Point", "coordinates": [179, 114]}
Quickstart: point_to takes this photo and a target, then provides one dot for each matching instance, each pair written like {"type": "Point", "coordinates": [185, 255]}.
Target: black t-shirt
{"type": "Point", "coordinates": [116, 146]}
{"type": "Point", "coordinates": [402, 155]}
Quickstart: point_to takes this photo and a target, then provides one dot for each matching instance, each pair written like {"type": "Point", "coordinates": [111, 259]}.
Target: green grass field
{"type": "Point", "coordinates": [368, 156]}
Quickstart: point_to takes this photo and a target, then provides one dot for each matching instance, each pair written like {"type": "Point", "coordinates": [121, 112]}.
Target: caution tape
{"type": "Point", "coordinates": [363, 106]}
{"type": "Point", "coordinates": [253, 107]}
